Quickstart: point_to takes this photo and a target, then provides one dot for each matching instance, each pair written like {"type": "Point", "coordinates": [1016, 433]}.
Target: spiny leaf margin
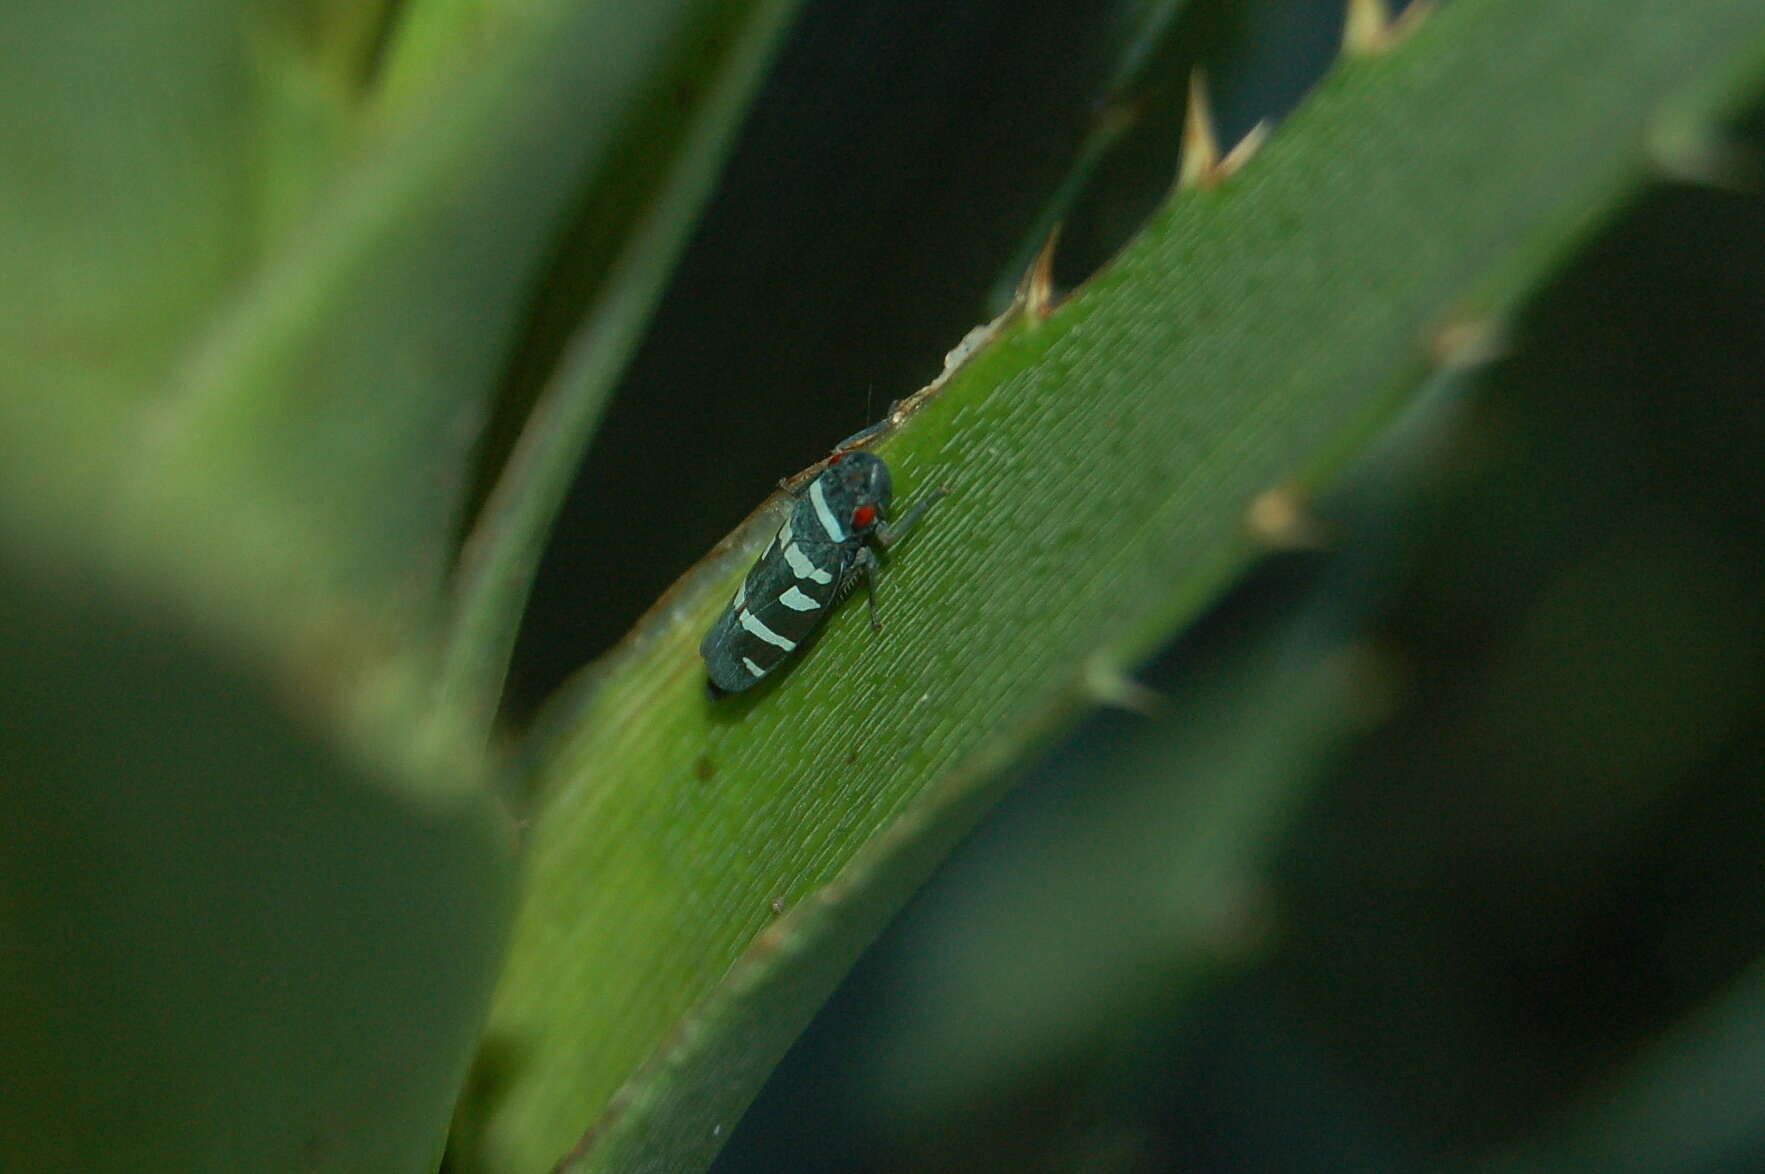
{"type": "Point", "coordinates": [1101, 463]}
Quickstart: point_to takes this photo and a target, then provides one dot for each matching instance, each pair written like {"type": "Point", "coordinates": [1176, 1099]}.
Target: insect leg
{"type": "Point", "coordinates": [865, 563]}
{"type": "Point", "coordinates": [888, 534]}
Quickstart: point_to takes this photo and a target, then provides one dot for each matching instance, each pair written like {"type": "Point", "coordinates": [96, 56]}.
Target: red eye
{"type": "Point", "coordinates": [863, 516]}
{"type": "Point", "coordinates": [836, 458]}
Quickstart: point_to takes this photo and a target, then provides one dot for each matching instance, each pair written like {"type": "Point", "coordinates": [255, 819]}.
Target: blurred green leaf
{"type": "Point", "coordinates": [257, 300]}
{"type": "Point", "coordinates": [1102, 464]}
{"type": "Point", "coordinates": [130, 204]}
{"type": "Point", "coordinates": [225, 944]}
{"type": "Point", "coordinates": [1687, 1102]}
{"type": "Point", "coordinates": [256, 322]}
{"type": "Point", "coordinates": [345, 396]}
{"type": "Point", "coordinates": [1118, 911]}
{"type": "Point", "coordinates": [602, 290]}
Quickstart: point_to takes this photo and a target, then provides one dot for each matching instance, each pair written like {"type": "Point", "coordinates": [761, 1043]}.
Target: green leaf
{"type": "Point", "coordinates": [1102, 464]}
{"type": "Point", "coordinates": [225, 944]}
{"type": "Point", "coordinates": [255, 305]}
{"type": "Point", "coordinates": [1198, 806]}
{"type": "Point", "coordinates": [606, 285]}
{"type": "Point", "coordinates": [1685, 1102]}
{"type": "Point", "coordinates": [130, 206]}
{"type": "Point", "coordinates": [255, 330]}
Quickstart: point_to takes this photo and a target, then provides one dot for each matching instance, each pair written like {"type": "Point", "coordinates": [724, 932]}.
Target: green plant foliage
{"type": "Point", "coordinates": [227, 945]}
{"type": "Point", "coordinates": [599, 298]}
{"type": "Point", "coordinates": [1686, 1101]}
{"type": "Point", "coordinates": [266, 265]}
{"type": "Point", "coordinates": [1101, 464]}
{"type": "Point", "coordinates": [307, 312]}
{"type": "Point", "coordinates": [289, 430]}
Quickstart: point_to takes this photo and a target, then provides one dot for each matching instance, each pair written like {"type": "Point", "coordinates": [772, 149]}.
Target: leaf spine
{"type": "Point", "coordinates": [1370, 29]}
{"type": "Point", "coordinates": [1280, 519]}
{"type": "Point", "coordinates": [1105, 683]}
{"type": "Point", "coordinates": [1694, 150]}
{"type": "Point", "coordinates": [1200, 158]}
{"type": "Point", "coordinates": [1035, 293]}
{"type": "Point", "coordinates": [1200, 164]}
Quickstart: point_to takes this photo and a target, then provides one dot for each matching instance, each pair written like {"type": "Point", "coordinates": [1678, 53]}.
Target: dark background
{"type": "Point", "coordinates": [1537, 869]}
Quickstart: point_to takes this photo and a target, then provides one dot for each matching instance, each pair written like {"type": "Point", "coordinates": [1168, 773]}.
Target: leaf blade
{"type": "Point", "coordinates": [1254, 336]}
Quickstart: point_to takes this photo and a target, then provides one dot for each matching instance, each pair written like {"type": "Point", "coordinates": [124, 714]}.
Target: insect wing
{"type": "Point", "coordinates": [785, 595]}
{"type": "Point", "coordinates": [725, 669]}
{"type": "Point", "coordinates": [788, 607]}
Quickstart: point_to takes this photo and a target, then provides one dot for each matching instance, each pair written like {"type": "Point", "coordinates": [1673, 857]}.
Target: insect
{"type": "Point", "coordinates": [812, 564]}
